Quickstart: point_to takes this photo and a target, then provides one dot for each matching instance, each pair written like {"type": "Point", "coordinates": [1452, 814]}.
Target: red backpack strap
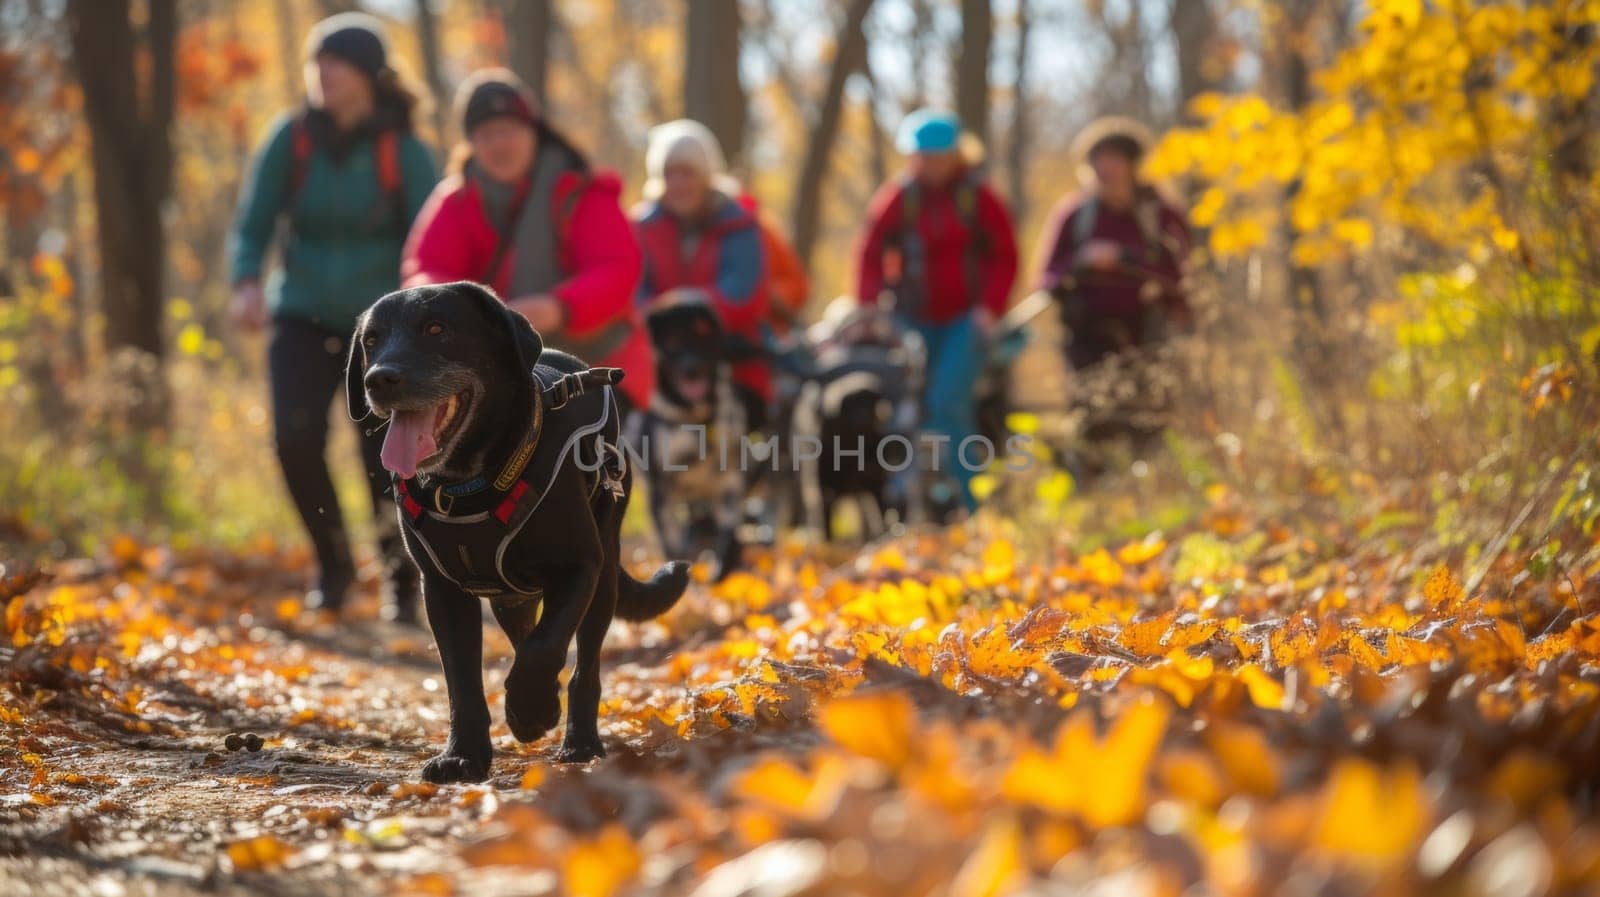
{"type": "Point", "coordinates": [300, 149]}
{"type": "Point", "coordinates": [386, 149]}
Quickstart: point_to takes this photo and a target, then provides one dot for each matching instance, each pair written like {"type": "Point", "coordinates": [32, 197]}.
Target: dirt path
{"type": "Point", "coordinates": [952, 713]}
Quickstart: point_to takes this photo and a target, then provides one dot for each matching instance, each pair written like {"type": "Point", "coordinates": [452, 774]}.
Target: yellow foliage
{"type": "Point", "coordinates": [1371, 816]}
{"type": "Point", "coordinates": [878, 726]}
{"type": "Point", "coordinates": [602, 865]}
{"type": "Point", "coordinates": [995, 866]}
{"type": "Point", "coordinates": [1101, 781]}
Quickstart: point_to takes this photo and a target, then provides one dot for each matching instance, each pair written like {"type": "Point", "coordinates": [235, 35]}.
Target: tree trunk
{"type": "Point", "coordinates": [1194, 29]}
{"type": "Point", "coordinates": [428, 37]}
{"type": "Point", "coordinates": [1017, 161]}
{"type": "Point", "coordinates": [879, 146]}
{"type": "Point", "coordinates": [851, 44]}
{"type": "Point", "coordinates": [713, 93]}
{"type": "Point", "coordinates": [972, 67]}
{"type": "Point", "coordinates": [132, 159]}
{"type": "Point", "coordinates": [527, 27]}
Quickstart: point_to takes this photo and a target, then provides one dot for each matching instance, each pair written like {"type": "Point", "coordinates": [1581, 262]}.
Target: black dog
{"type": "Point", "coordinates": [696, 489]}
{"type": "Point", "coordinates": [511, 487]}
{"type": "Point", "coordinates": [853, 409]}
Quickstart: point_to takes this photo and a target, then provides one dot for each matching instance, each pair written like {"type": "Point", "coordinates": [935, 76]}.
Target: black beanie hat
{"type": "Point", "coordinates": [494, 93]}
{"type": "Point", "coordinates": [355, 37]}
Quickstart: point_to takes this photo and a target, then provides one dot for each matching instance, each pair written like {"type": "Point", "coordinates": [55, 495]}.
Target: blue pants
{"type": "Point", "coordinates": [955, 360]}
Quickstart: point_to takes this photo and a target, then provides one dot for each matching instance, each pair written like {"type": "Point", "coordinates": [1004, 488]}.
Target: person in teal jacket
{"type": "Point", "coordinates": [344, 177]}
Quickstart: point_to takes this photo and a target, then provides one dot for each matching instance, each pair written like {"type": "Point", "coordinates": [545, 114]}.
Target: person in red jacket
{"type": "Point", "coordinates": [527, 215]}
{"type": "Point", "coordinates": [940, 244]}
{"type": "Point", "coordinates": [696, 236]}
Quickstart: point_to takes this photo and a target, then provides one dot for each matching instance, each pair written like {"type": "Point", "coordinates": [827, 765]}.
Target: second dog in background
{"type": "Point", "coordinates": [696, 490]}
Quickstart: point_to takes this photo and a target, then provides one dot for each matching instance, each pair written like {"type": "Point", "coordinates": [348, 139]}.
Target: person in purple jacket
{"type": "Point", "coordinates": [1115, 251]}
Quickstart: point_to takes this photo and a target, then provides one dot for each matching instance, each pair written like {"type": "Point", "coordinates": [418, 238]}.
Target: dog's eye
{"type": "Point", "coordinates": [369, 340]}
{"type": "Point", "coordinates": [433, 328]}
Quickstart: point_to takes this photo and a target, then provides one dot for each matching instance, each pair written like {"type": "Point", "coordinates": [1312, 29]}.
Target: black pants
{"type": "Point", "coordinates": [306, 366]}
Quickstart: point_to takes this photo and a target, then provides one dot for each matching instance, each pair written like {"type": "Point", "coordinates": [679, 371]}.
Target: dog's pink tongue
{"type": "Point", "coordinates": [409, 440]}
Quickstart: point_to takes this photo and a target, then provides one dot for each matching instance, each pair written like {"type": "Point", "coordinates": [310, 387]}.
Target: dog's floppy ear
{"type": "Point", "coordinates": [355, 369]}
{"type": "Point", "coordinates": [529, 345]}
{"type": "Point", "coordinates": [524, 339]}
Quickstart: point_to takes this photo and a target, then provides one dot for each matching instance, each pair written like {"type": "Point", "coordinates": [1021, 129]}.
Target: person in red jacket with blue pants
{"type": "Point", "coordinates": [526, 214]}
{"type": "Point", "coordinates": [696, 235]}
{"type": "Point", "coordinates": [940, 242]}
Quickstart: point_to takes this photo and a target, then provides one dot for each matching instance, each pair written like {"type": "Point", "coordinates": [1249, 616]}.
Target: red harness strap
{"type": "Point", "coordinates": [509, 506]}
{"type": "Point", "coordinates": [407, 503]}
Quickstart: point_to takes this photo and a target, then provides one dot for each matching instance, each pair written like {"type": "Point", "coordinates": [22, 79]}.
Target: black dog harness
{"type": "Point", "coordinates": [466, 527]}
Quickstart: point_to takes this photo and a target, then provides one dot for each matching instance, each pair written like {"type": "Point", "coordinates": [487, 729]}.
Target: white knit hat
{"type": "Point", "coordinates": [686, 142]}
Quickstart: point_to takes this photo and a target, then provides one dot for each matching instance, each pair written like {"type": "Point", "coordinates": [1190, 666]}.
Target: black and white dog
{"type": "Point", "coordinates": [512, 487]}
{"type": "Point", "coordinates": [688, 439]}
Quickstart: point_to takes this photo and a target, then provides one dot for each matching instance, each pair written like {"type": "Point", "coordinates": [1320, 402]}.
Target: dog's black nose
{"type": "Point", "coordinates": [383, 381]}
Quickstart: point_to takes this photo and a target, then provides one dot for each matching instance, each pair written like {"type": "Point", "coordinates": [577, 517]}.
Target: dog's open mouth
{"type": "Point", "coordinates": [417, 436]}
{"type": "Point", "coordinates": [693, 385]}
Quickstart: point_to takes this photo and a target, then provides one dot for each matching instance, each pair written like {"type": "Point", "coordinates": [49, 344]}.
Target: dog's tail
{"type": "Point", "coordinates": [638, 601]}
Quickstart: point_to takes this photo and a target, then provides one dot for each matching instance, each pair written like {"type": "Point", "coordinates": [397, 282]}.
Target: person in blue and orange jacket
{"type": "Point", "coordinates": [696, 235]}
{"type": "Point", "coordinates": [527, 214]}
{"type": "Point", "coordinates": [940, 242]}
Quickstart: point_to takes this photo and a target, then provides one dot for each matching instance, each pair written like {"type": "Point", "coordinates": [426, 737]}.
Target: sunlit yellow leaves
{"type": "Point", "coordinates": [1192, 776]}
{"type": "Point", "coordinates": [1145, 636]}
{"type": "Point", "coordinates": [745, 590]}
{"type": "Point", "coordinates": [1249, 763]}
{"type": "Point", "coordinates": [996, 865]}
{"type": "Point", "coordinates": [1136, 553]}
{"type": "Point", "coordinates": [533, 777]}
{"type": "Point", "coordinates": [1524, 778]}
{"type": "Point", "coordinates": [1427, 96]}
{"type": "Point", "coordinates": [598, 867]}
{"type": "Point", "coordinates": [1442, 591]}
{"type": "Point", "coordinates": [780, 786]}
{"type": "Point", "coordinates": [258, 854]}
{"type": "Point", "coordinates": [999, 560]}
{"type": "Point", "coordinates": [1265, 691]}
{"type": "Point", "coordinates": [1291, 642]}
{"type": "Point", "coordinates": [879, 726]}
{"type": "Point", "coordinates": [1372, 816]}
{"type": "Point", "coordinates": [1102, 781]}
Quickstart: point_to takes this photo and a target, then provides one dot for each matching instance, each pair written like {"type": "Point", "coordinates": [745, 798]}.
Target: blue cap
{"type": "Point", "coordinates": [928, 131]}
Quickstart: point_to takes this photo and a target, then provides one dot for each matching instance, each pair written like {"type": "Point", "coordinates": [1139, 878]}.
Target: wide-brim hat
{"type": "Point", "coordinates": [1113, 130]}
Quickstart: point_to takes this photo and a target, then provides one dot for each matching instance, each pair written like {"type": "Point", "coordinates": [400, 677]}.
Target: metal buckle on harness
{"type": "Point", "coordinates": [563, 393]}
{"type": "Point", "coordinates": [440, 502]}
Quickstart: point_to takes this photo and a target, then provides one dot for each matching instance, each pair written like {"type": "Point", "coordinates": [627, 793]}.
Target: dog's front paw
{"type": "Point", "coordinates": [580, 749]}
{"type": "Point", "coordinates": [533, 697]}
{"type": "Point", "coordinates": [448, 767]}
